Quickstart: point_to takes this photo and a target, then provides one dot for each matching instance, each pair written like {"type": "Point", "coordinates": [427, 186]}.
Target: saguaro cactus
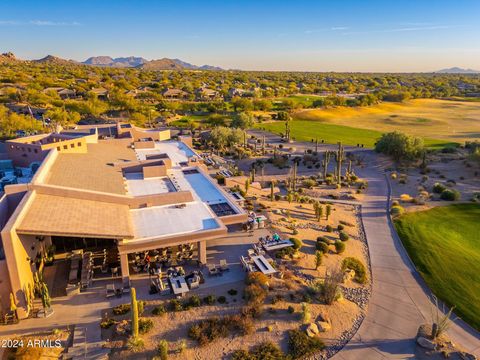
{"type": "Point", "coordinates": [339, 158]}
{"type": "Point", "coordinates": [272, 187]}
{"type": "Point", "coordinates": [134, 311]}
{"type": "Point", "coordinates": [325, 162]}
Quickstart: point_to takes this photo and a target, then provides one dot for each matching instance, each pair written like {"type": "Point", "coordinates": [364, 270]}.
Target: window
{"type": "Point", "coordinates": [79, 144]}
{"type": "Point", "coordinates": [29, 150]}
{"type": "Point", "coordinates": [72, 145]}
{"type": "Point", "coordinates": [35, 151]}
{"type": "Point", "coordinates": [65, 147]}
{"type": "Point", "coordinates": [58, 148]}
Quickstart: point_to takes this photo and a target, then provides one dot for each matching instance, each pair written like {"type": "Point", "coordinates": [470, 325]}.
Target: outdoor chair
{"type": "Point", "coordinates": [110, 290]}
{"type": "Point", "coordinates": [115, 272]}
{"type": "Point", "coordinates": [212, 270]}
{"type": "Point", "coordinates": [224, 265]}
{"type": "Point", "coordinates": [126, 287]}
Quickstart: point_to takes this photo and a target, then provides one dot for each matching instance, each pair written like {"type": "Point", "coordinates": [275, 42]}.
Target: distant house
{"type": "Point", "coordinates": [238, 92]}
{"type": "Point", "coordinates": [139, 91]}
{"type": "Point", "coordinates": [101, 93]}
{"type": "Point", "coordinates": [204, 93]}
{"type": "Point", "coordinates": [175, 94]}
{"type": "Point", "coordinates": [25, 109]}
{"type": "Point", "coordinates": [62, 92]}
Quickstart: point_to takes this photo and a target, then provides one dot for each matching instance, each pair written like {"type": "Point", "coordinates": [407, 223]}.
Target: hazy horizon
{"type": "Point", "coordinates": [277, 36]}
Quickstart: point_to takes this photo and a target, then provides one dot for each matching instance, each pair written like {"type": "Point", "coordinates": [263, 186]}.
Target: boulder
{"type": "Point", "coordinates": [323, 326]}
{"type": "Point", "coordinates": [123, 327]}
{"type": "Point", "coordinates": [312, 330]}
{"type": "Point", "coordinates": [426, 343]}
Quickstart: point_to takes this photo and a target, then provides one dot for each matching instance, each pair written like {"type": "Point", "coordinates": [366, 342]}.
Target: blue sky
{"type": "Point", "coordinates": [418, 35]}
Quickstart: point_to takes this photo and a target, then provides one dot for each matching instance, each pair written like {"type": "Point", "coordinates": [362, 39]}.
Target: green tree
{"type": "Point", "coordinates": [243, 121]}
{"type": "Point", "coordinates": [400, 146]}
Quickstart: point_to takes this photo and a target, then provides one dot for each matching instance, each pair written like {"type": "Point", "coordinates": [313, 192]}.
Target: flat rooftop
{"type": "Point", "coordinates": [93, 170]}
{"type": "Point", "coordinates": [177, 151]}
{"type": "Point", "coordinates": [170, 220]}
{"type": "Point", "coordinates": [138, 186]}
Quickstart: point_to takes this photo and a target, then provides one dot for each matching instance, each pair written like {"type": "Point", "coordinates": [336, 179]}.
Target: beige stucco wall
{"type": "Point", "coordinates": [18, 252]}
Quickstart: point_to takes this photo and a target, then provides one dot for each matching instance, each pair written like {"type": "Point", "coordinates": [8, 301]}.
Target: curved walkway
{"type": "Point", "coordinates": [400, 299]}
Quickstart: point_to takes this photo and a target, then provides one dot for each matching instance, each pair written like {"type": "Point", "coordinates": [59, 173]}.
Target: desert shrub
{"type": "Point", "coordinates": [242, 324]}
{"type": "Point", "coordinates": [322, 246]}
{"type": "Point", "coordinates": [222, 299]}
{"type": "Point", "coordinates": [175, 305]}
{"type": "Point", "coordinates": [405, 198]}
{"type": "Point", "coordinates": [305, 314]}
{"type": "Point", "coordinates": [352, 263]}
{"type": "Point", "coordinates": [290, 309]}
{"type": "Point", "coordinates": [159, 310]}
{"type": "Point", "coordinates": [144, 325]}
{"type": "Point", "coordinates": [340, 227]}
{"type": "Point", "coordinates": [395, 203]}
{"type": "Point", "coordinates": [208, 330]}
{"type": "Point", "coordinates": [300, 344]}
{"type": "Point", "coordinates": [346, 223]}
{"type": "Point", "coordinates": [328, 228]}
{"type": "Point", "coordinates": [255, 293]}
{"type": "Point", "coordinates": [285, 252]}
{"type": "Point", "coordinates": [397, 210]}
{"type": "Point", "coordinates": [252, 310]}
{"type": "Point", "coordinates": [323, 239]}
{"type": "Point", "coordinates": [135, 344]}
{"type": "Point", "coordinates": [106, 323]}
{"type": "Point", "coordinates": [162, 349]}
{"type": "Point", "coordinates": [257, 278]}
{"type": "Point", "coordinates": [450, 195]}
{"type": "Point", "coordinates": [309, 183]}
{"type": "Point", "coordinates": [193, 301]}
{"type": "Point", "coordinates": [232, 292]}
{"type": "Point", "coordinates": [294, 231]}
{"type": "Point", "coordinates": [339, 246]}
{"type": "Point", "coordinates": [263, 351]}
{"type": "Point", "coordinates": [438, 188]}
{"type": "Point", "coordinates": [209, 299]}
{"type": "Point", "coordinates": [329, 289]}
{"type": "Point", "coordinates": [344, 236]}
{"type": "Point", "coordinates": [121, 309]}
{"type": "Point", "coordinates": [297, 243]}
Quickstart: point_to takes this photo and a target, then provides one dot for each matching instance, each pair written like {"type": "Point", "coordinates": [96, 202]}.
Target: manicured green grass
{"type": "Point", "coordinates": [444, 244]}
{"type": "Point", "coordinates": [304, 130]}
{"type": "Point", "coordinates": [185, 121]}
{"type": "Point", "coordinates": [306, 101]}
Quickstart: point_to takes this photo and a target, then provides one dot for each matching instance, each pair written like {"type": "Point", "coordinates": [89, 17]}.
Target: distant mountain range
{"type": "Point", "coordinates": [139, 62]}
{"type": "Point", "coordinates": [120, 62]}
{"type": "Point", "coordinates": [457, 70]}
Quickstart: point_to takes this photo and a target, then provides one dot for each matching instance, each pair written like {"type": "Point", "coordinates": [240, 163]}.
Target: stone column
{"type": "Point", "coordinates": [202, 252]}
{"type": "Point", "coordinates": [124, 267]}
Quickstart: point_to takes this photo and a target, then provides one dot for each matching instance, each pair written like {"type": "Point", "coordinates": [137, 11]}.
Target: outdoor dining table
{"type": "Point", "coordinates": [274, 245]}
{"type": "Point", "coordinates": [263, 265]}
{"type": "Point", "coordinates": [179, 285]}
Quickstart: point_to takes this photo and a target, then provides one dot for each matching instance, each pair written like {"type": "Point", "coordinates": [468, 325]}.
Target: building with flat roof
{"type": "Point", "coordinates": [134, 192]}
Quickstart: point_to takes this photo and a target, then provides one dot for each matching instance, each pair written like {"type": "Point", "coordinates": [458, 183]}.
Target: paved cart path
{"type": "Point", "coordinates": [400, 299]}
